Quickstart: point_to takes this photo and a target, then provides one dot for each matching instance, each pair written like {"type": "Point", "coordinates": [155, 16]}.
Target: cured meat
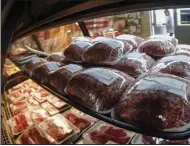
{"type": "Point", "coordinates": [41, 72]}
{"type": "Point", "coordinates": [79, 122]}
{"type": "Point", "coordinates": [98, 88]}
{"type": "Point", "coordinates": [76, 50]}
{"type": "Point", "coordinates": [134, 64]}
{"type": "Point", "coordinates": [33, 64]}
{"type": "Point", "coordinates": [162, 98]}
{"type": "Point", "coordinates": [60, 77]}
{"type": "Point", "coordinates": [177, 65]}
{"type": "Point", "coordinates": [157, 48]}
{"type": "Point", "coordinates": [105, 51]}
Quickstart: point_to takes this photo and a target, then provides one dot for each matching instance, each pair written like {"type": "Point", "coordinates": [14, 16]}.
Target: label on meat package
{"type": "Point", "coordinates": [53, 66]}
{"type": "Point", "coordinates": [73, 68]}
{"type": "Point", "coordinates": [103, 75]}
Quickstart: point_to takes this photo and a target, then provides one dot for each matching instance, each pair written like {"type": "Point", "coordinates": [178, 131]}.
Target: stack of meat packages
{"type": "Point", "coordinates": [141, 82]}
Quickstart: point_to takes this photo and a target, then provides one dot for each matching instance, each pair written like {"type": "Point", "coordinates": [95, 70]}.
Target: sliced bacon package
{"type": "Point", "coordinates": [59, 128]}
{"type": "Point", "coordinates": [103, 133]}
{"type": "Point", "coordinates": [34, 135]}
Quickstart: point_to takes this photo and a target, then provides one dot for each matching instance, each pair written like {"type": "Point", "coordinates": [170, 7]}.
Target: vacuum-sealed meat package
{"type": "Point", "coordinates": [171, 39]}
{"type": "Point", "coordinates": [98, 88]}
{"type": "Point", "coordinates": [134, 64]}
{"type": "Point", "coordinates": [156, 48]}
{"type": "Point", "coordinates": [33, 64]}
{"type": "Point", "coordinates": [60, 77]}
{"type": "Point", "coordinates": [84, 39]}
{"type": "Point", "coordinates": [133, 40]}
{"type": "Point", "coordinates": [75, 51]}
{"type": "Point", "coordinates": [183, 49]}
{"type": "Point", "coordinates": [41, 72]}
{"type": "Point", "coordinates": [105, 51]}
{"type": "Point", "coordinates": [156, 101]}
{"type": "Point", "coordinates": [57, 57]}
{"type": "Point", "coordinates": [178, 65]}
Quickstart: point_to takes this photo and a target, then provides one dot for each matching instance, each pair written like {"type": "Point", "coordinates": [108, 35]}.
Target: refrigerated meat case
{"type": "Point", "coordinates": [21, 18]}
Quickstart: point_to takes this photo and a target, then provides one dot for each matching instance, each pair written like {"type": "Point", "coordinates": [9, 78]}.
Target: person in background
{"type": "Point", "coordinates": [169, 22]}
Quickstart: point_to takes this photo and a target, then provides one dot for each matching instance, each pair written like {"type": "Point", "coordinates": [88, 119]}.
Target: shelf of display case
{"type": "Point", "coordinates": [107, 117]}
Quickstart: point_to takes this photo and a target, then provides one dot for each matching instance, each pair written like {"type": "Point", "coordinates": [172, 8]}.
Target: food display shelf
{"type": "Point", "coordinates": [107, 117]}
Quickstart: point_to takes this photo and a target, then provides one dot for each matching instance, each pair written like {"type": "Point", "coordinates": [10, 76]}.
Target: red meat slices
{"type": "Point", "coordinates": [78, 122]}
{"type": "Point", "coordinates": [108, 133]}
{"type": "Point", "coordinates": [21, 123]}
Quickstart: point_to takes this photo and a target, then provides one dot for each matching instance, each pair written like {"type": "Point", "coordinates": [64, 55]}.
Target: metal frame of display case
{"type": "Point", "coordinates": [13, 29]}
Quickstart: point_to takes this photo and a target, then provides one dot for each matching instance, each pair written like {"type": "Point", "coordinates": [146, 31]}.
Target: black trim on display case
{"type": "Point", "coordinates": [84, 29]}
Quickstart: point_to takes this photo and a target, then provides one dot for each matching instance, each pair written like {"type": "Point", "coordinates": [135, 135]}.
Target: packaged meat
{"type": "Point", "coordinates": [32, 102]}
{"type": "Point", "coordinates": [60, 77]}
{"type": "Point", "coordinates": [84, 142]}
{"type": "Point", "coordinates": [105, 51]}
{"type": "Point", "coordinates": [75, 51]}
{"type": "Point", "coordinates": [59, 128]}
{"type": "Point", "coordinates": [18, 107]}
{"type": "Point", "coordinates": [103, 133]}
{"type": "Point", "coordinates": [143, 139]}
{"type": "Point", "coordinates": [98, 88]}
{"type": "Point", "coordinates": [134, 64]}
{"type": "Point", "coordinates": [33, 64]}
{"type": "Point", "coordinates": [86, 116]}
{"type": "Point", "coordinates": [182, 52]}
{"type": "Point", "coordinates": [34, 135]}
{"type": "Point", "coordinates": [156, 48]}
{"type": "Point", "coordinates": [171, 39]}
{"type": "Point", "coordinates": [183, 49]}
{"type": "Point", "coordinates": [38, 115]}
{"type": "Point", "coordinates": [57, 57]}
{"type": "Point", "coordinates": [156, 101]}
{"type": "Point", "coordinates": [84, 39]}
{"type": "Point", "coordinates": [19, 123]}
{"type": "Point", "coordinates": [178, 65]}
{"type": "Point", "coordinates": [78, 120]}
{"type": "Point", "coordinates": [41, 72]}
{"type": "Point", "coordinates": [16, 96]}
{"type": "Point", "coordinates": [135, 41]}
{"type": "Point", "coordinates": [58, 103]}
{"type": "Point", "coordinates": [52, 110]}
{"type": "Point", "coordinates": [41, 95]}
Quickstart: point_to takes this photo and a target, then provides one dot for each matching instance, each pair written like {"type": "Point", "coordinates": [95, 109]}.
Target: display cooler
{"type": "Point", "coordinates": [95, 72]}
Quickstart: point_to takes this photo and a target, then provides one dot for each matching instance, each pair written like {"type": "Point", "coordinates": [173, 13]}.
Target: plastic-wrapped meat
{"type": "Point", "coordinates": [57, 57]}
{"type": "Point", "coordinates": [58, 103]}
{"type": "Point", "coordinates": [171, 39]}
{"type": "Point", "coordinates": [33, 135]}
{"type": "Point", "coordinates": [40, 95]}
{"type": "Point", "coordinates": [134, 64]}
{"type": "Point", "coordinates": [156, 48]}
{"type": "Point", "coordinates": [98, 137]}
{"type": "Point", "coordinates": [18, 107]}
{"type": "Point", "coordinates": [98, 88]}
{"type": "Point", "coordinates": [50, 108]}
{"type": "Point", "coordinates": [183, 49]}
{"type": "Point", "coordinates": [84, 39]}
{"type": "Point", "coordinates": [57, 127]}
{"type": "Point", "coordinates": [33, 64]}
{"type": "Point", "coordinates": [19, 123]}
{"type": "Point", "coordinates": [39, 115]}
{"type": "Point", "coordinates": [41, 72]}
{"type": "Point", "coordinates": [105, 51]}
{"type": "Point", "coordinates": [135, 41]}
{"type": "Point", "coordinates": [79, 122]}
{"type": "Point", "coordinates": [178, 65]}
{"type": "Point", "coordinates": [60, 77]}
{"type": "Point", "coordinates": [76, 50]}
{"type": "Point", "coordinates": [156, 101]}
